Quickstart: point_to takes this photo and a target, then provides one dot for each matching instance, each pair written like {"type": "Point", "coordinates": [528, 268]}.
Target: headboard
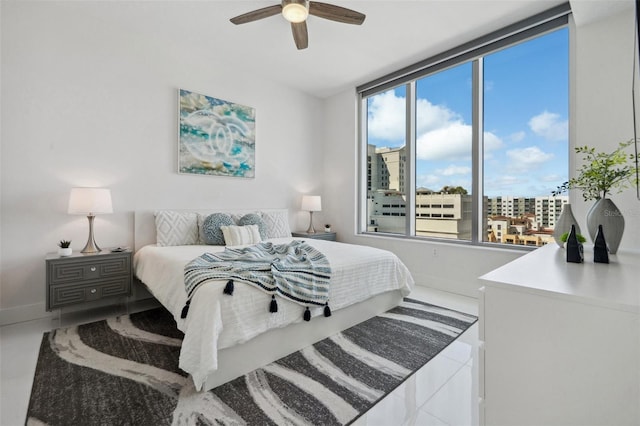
{"type": "Point", "coordinates": [144, 224]}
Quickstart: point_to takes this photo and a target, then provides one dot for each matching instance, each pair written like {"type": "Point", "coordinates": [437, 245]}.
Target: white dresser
{"type": "Point", "coordinates": [560, 342]}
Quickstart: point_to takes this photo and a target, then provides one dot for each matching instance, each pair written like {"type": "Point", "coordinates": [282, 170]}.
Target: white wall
{"type": "Point", "coordinates": [601, 117]}
{"type": "Point", "coordinates": [86, 104]}
{"type": "Point", "coordinates": [603, 104]}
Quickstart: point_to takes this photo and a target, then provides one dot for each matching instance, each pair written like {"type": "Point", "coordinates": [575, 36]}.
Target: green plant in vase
{"type": "Point", "coordinates": [602, 174]}
{"type": "Point", "coordinates": [580, 238]}
{"type": "Point", "coordinates": [64, 244]}
{"type": "Point", "coordinates": [64, 248]}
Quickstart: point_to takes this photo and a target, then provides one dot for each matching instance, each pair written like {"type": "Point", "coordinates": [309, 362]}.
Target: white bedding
{"type": "Point", "coordinates": [217, 321]}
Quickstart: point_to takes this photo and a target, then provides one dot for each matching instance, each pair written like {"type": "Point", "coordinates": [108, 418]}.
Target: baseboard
{"type": "Point", "coordinates": [469, 289]}
{"type": "Point", "coordinates": [23, 313]}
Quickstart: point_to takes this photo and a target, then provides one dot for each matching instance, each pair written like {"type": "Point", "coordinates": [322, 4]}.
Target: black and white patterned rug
{"type": "Point", "coordinates": [124, 371]}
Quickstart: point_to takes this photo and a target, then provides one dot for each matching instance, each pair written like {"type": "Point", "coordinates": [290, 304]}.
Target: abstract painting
{"type": "Point", "coordinates": [216, 137]}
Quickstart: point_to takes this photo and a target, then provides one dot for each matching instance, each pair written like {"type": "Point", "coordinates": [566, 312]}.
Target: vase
{"type": "Point", "coordinates": [64, 252]}
{"type": "Point", "coordinates": [563, 224]}
{"type": "Point", "coordinates": [604, 212]}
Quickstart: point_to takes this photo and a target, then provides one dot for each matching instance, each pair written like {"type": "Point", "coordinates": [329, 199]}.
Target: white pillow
{"type": "Point", "coordinates": [277, 223]}
{"type": "Point", "coordinates": [240, 235]}
{"type": "Point", "coordinates": [176, 228]}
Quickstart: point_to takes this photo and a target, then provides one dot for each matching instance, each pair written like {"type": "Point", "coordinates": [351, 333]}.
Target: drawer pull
{"type": "Point", "coordinates": [93, 291]}
{"type": "Point", "coordinates": [93, 269]}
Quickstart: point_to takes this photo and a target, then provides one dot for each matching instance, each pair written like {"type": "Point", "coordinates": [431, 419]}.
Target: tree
{"type": "Point", "coordinates": [453, 190]}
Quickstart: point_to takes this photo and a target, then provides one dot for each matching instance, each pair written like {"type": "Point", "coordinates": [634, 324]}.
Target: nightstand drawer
{"type": "Point", "coordinates": [83, 269]}
{"type": "Point", "coordinates": [68, 294]}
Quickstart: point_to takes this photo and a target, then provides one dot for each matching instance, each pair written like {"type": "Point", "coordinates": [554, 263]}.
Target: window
{"type": "Point", "coordinates": [481, 131]}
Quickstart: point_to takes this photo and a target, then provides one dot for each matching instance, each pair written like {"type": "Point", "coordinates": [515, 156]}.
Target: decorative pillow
{"type": "Point", "coordinates": [176, 228]}
{"type": "Point", "coordinates": [211, 232]}
{"type": "Point", "coordinates": [277, 223]}
{"type": "Point", "coordinates": [241, 235]}
{"type": "Point", "coordinates": [254, 219]}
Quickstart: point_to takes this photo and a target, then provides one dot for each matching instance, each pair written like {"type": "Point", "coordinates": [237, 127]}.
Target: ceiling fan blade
{"type": "Point", "coordinates": [300, 35]}
{"type": "Point", "coordinates": [335, 13]}
{"type": "Point", "coordinates": [265, 12]}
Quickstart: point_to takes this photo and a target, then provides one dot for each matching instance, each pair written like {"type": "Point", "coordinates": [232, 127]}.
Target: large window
{"type": "Point", "coordinates": [471, 146]}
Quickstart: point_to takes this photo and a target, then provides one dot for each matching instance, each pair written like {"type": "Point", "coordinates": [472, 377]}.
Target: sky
{"type": "Point", "coordinates": [526, 110]}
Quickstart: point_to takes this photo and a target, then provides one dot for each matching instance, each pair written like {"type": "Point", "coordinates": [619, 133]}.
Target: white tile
{"type": "Point", "coordinates": [459, 351]}
{"type": "Point", "coordinates": [448, 300]}
{"type": "Point", "coordinates": [392, 410]}
{"type": "Point", "coordinates": [20, 344]}
{"type": "Point", "coordinates": [421, 418]}
{"type": "Point", "coordinates": [421, 386]}
{"type": "Point", "coordinates": [455, 403]}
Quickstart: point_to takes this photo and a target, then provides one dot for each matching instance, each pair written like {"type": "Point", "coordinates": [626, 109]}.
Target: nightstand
{"type": "Point", "coordinates": [81, 278]}
{"type": "Point", "coordinates": [331, 236]}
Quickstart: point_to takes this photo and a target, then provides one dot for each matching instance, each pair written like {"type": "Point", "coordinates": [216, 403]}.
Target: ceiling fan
{"type": "Point", "coordinates": [296, 12]}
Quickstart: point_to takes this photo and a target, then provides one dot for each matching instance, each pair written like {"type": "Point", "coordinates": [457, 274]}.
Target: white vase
{"type": "Point", "coordinates": [604, 212]}
{"type": "Point", "coordinates": [327, 229]}
{"type": "Point", "coordinates": [563, 224]}
{"type": "Point", "coordinates": [63, 252]}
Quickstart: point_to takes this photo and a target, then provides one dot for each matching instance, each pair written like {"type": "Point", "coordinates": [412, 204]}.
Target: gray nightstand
{"type": "Point", "coordinates": [81, 278]}
{"type": "Point", "coordinates": [321, 235]}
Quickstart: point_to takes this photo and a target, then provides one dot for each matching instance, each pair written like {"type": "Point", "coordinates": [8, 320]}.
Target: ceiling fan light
{"type": "Point", "coordinates": [295, 13]}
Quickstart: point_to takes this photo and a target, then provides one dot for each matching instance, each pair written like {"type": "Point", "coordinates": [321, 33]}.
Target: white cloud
{"type": "Point", "coordinates": [441, 132]}
{"type": "Point", "coordinates": [552, 178]}
{"type": "Point", "coordinates": [431, 117]}
{"type": "Point", "coordinates": [454, 170]}
{"type": "Point", "coordinates": [428, 181]}
{"type": "Point", "coordinates": [517, 136]}
{"type": "Point", "coordinates": [502, 182]}
{"type": "Point", "coordinates": [452, 141]}
{"type": "Point", "coordinates": [386, 117]}
{"type": "Point", "coordinates": [527, 158]}
{"type": "Point", "coordinates": [550, 126]}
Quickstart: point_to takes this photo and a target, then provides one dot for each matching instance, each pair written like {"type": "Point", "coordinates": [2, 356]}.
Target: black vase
{"type": "Point", "coordinates": [574, 247]}
{"type": "Point", "coordinates": [600, 250]}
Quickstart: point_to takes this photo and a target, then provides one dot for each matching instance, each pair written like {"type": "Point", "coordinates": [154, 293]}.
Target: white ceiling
{"type": "Point", "coordinates": [394, 34]}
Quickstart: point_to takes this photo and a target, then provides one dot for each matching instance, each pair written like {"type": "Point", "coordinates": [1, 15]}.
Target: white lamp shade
{"type": "Point", "coordinates": [312, 203]}
{"type": "Point", "coordinates": [90, 201]}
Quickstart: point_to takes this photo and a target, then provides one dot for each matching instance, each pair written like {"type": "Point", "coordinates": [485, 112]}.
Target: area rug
{"type": "Point", "coordinates": [124, 371]}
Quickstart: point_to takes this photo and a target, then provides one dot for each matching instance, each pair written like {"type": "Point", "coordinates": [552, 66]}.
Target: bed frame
{"type": "Point", "coordinates": [276, 343]}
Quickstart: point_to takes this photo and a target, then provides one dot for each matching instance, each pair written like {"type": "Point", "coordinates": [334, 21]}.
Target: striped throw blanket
{"type": "Point", "coordinates": [295, 271]}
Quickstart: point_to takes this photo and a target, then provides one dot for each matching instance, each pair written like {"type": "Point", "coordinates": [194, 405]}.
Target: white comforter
{"type": "Point", "coordinates": [217, 321]}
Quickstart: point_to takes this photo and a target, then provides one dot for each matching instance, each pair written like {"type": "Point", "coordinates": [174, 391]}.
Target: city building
{"type": "Point", "coordinates": [510, 219]}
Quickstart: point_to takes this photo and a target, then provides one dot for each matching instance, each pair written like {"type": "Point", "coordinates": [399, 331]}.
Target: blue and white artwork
{"type": "Point", "coordinates": [216, 137]}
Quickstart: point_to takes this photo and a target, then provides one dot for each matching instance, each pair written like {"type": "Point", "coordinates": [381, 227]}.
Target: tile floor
{"type": "Point", "coordinates": [443, 392]}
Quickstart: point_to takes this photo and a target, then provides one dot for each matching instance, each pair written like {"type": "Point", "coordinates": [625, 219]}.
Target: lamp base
{"type": "Point", "coordinates": [311, 230]}
{"type": "Point", "coordinates": [91, 246]}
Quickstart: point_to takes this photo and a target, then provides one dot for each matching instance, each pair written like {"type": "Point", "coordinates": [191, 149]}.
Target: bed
{"type": "Point", "coordinates": [227, 336]}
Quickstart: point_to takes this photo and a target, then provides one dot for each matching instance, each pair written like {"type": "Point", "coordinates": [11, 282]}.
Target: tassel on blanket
{"type": "Point", "coordinates": [274, 305]}
{"type": "Point", "coordinates": [327, 310]}
{"type": "Point", "coordinates": [307, 314]}
{"type": "Point", "coordinates": [228, 289]}
{"type": "Point", "coordinates": [185, 310]}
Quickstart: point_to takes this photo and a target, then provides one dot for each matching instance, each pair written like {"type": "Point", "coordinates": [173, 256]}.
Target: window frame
{"type": "Point", "coordinates": [474, 52]}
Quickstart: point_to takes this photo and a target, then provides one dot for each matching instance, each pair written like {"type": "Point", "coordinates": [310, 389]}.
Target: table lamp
{"type": "Point", "coordinates": [90, 201]}
{"type": "Point", "coordinates": [311, 203]}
